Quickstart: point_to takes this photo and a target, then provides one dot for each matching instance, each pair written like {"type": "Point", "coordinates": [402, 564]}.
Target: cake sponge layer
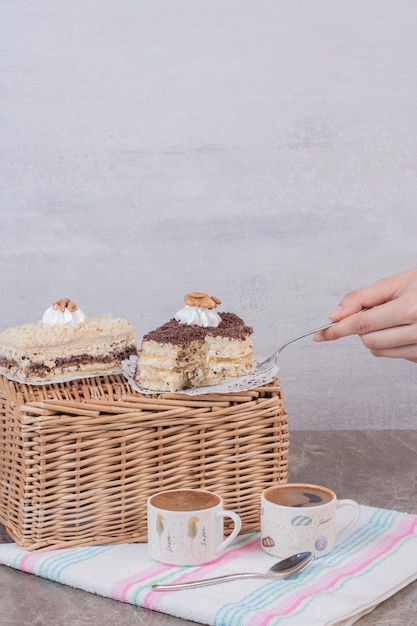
{"type": "Point", "coordinates": [40, 353]}
{"type": "Point", "coordinates": [177, 356]}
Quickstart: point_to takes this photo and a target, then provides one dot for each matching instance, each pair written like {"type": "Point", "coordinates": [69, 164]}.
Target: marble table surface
{"type": "Point", "coordinates": [376, 468]}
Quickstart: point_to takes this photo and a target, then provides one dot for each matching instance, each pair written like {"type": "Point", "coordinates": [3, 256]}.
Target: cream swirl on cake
{"type": "Point", "coordinates": [63, 312]}
{"type": "Point", "coordinates": [196, 315]}
{"type": "Point", "coordinates": [199, 310]}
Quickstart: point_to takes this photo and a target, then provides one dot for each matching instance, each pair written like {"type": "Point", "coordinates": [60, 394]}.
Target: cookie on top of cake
{"type": "Point", "coordinates": [65, 344]}
{"type": "Point", "coordinates": [197, 348]}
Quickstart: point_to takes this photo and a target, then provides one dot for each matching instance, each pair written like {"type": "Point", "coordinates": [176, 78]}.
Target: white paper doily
{"type": "Point", "coordinates": [63, 379]}
{"type": "Point", "coordinates": [239, 383]}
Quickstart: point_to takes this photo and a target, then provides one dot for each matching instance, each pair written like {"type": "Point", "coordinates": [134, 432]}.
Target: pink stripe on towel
{"type": "Point", "coordinates": [30, 562]}
{"type": "Point", "coordinates": [121, 589]}
{"type": "Point", "coordinates": [387, 544]}
{"type": "Point", "coordinates": [153, 599]}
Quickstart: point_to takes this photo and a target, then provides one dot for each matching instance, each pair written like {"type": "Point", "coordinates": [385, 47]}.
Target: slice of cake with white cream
{"type": "Point", "coordinates": [197, 348]}
{"type": "Point", "coordinates": [66, 344]}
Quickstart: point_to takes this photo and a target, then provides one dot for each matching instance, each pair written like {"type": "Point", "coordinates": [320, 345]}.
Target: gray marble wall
{"type": "Point", "coordinates": [263, 151]}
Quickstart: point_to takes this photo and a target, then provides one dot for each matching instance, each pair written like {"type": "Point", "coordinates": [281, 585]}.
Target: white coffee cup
{"type": "Point", "coordinates": [300, 517]}
{"type": "Point", "coordinates": [185, 526]}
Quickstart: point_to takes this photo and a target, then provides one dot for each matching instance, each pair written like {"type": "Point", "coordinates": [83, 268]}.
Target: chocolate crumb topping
{"type": "Point", "coordinates": [231, 327]}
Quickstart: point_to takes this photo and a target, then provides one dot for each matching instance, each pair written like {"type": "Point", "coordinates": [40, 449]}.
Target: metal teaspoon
{"type": "Point", "coordinates": [283, 569]}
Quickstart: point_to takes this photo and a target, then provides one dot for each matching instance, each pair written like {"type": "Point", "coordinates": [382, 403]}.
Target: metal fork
{"type": "Point", "coordinates": [271, 361]}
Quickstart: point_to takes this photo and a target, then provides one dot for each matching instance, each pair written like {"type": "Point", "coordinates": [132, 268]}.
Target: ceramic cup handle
{"type": "Point", "coordinates": [238, 525]}
{"type": "Point", "coordinates": [355, 516]}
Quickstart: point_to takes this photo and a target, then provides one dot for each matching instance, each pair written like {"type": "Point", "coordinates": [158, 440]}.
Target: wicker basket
{"type": "Point", "coordinates": [78, 460]}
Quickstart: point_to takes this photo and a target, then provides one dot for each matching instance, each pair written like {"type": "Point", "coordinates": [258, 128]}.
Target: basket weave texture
{"type": "Point", "coordinates": [78, 460]}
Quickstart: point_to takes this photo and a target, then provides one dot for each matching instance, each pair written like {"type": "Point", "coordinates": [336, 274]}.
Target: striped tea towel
{"type": "Point", "coordinates": [375, 560]}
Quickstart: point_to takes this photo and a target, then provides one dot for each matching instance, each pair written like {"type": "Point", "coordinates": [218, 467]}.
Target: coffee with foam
{"type": "Point", "coordinates": [299, 496]}
{"type": "Point", "coordinates": [185, 500]}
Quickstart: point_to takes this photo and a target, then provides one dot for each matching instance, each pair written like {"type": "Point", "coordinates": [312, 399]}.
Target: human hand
{"type": "Point", "coordinates": [389, 327]}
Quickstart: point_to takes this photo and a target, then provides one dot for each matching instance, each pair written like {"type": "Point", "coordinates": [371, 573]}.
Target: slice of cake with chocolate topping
{"type": "Point", "coordinates": [66, 344]}
{"type": "Point", "coordinates": [197, 348]}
